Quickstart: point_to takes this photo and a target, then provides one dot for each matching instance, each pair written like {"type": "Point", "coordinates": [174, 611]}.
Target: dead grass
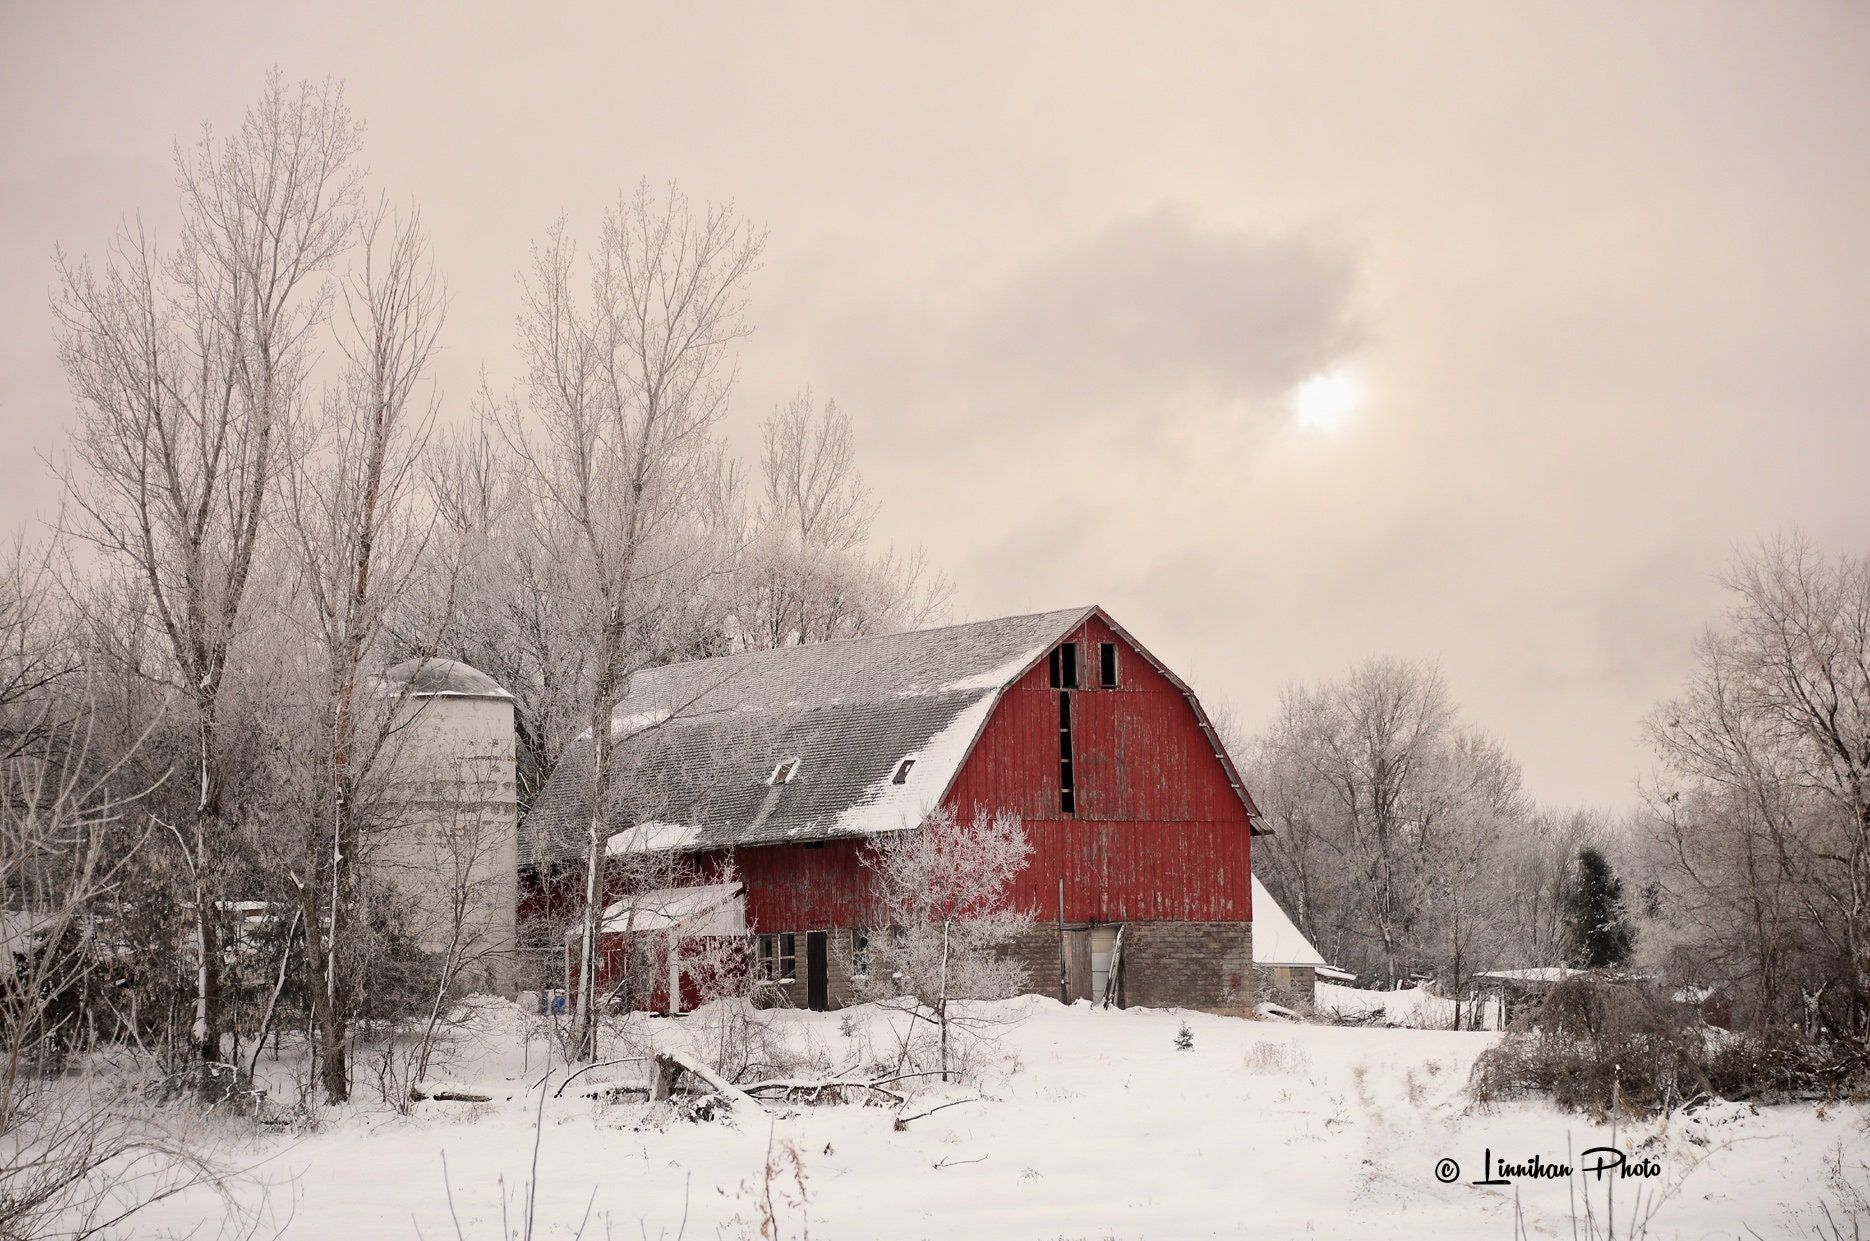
{"type": "Point", "coordinates": [1275, 1058]}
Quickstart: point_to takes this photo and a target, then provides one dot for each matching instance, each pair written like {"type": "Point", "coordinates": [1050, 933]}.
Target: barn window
{"type": "Point", "coordinates": [1064, 666]}
{"type": "Point", "coordinates": [778, 961]}
{"type": "Point", "coordinates": [860, 952]}
{"type": "Point", "coordinates": [1107, 665]}
{"type": "Point", "coordinates": [902, 771]}
{"type": "Point", "coordinates": [783, 773]}
{"type": "Point", "coordinates": [1067, 789]}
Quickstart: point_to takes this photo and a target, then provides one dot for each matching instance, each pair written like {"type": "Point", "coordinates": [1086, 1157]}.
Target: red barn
{"type": "Point", "coordinates": [787, 761]}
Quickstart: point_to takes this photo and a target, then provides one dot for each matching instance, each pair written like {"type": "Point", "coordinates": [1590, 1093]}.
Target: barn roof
{"type": "Point", "coordinates": [1276, 940]}
{"type": "Point", "coordinates": [698, 743]}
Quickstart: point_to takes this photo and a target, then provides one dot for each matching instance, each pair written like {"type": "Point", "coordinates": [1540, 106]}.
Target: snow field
{"type": "Point", "coordinates": [1088, 1124]}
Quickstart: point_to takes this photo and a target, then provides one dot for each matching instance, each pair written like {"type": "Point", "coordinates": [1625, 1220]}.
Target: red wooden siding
{"type": "Point", "coordinates": [796, 888]}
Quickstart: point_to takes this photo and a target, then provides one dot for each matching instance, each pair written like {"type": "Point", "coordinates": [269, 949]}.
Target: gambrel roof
{"type": "Point", "coordinates": [700, 746]}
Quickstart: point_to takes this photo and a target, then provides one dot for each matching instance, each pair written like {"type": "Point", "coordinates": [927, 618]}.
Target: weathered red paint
{"type": "Point", "coordinates": [1159, 832]}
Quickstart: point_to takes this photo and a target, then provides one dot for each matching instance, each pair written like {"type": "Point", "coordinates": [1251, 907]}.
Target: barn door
{"type": "Point", "coordinates": [1104, 941]}
{"type": "Point", "coordinates": [1078, 964]}
{"type": "Point", "coordinates": [817, 977]}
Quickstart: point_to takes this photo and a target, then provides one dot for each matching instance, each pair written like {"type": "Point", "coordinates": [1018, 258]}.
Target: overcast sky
{"type": "Point", "coordinates": [1601, 274]}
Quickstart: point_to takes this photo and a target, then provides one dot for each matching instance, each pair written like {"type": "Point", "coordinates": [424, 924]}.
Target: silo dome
{"type": "Point", "coordinates": [438, 678]}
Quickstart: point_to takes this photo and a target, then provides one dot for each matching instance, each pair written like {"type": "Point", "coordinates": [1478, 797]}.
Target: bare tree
{"type": "Point", "coordinates": [808, 575]}
{"type": "Point", "coordinates": [356, 544]}
{"type": "Point", "coordinates": [941, 891]}
{"type": "Point", "coordinates": [1386, 817]}
{"type": "Point", "coordinates": [625, 387]}
{"type": "Point", "coordinates": [189, 371]}
{"type": "Point", "coordinates": [1766, 809]}
{"type": "Point", "coordinates": [498, 603]}
{"type": "Point", "coordinates": [36, 651]}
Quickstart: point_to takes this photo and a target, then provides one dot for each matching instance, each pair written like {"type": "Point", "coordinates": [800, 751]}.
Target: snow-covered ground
{"type": "Point", "coordinates": [1088, 1124]}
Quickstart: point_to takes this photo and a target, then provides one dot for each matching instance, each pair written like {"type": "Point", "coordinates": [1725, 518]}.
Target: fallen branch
{"type": "Point", "coordinates": [450, 1092]}
{"type": "Point", "coordinates": [955, 1163]}
{"type": "Point", "coordinates": [602, 1064]}
{"type": "Point", "coordinates": [815, 1091]}
{"type": "Point", "coordinates": [902, 1122]}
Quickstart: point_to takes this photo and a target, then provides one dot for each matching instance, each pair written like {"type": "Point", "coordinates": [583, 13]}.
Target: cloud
{"type": "Point", "coordinates": [1162, 309]}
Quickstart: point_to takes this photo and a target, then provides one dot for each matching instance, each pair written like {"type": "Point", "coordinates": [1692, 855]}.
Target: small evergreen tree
{"type": "Point", "coordinates": [1601, 932]}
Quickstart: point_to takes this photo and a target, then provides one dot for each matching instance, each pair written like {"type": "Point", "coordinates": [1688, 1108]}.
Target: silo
{"type": "Point", "coordinates": [450, 847]}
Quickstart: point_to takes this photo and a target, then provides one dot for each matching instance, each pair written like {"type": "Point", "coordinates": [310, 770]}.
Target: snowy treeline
{"type": "Point", "coordinates": [269, 502]}
{"type": "Point", "coordinates": [1403, 844]}
{"type": "Point", "coordinates": [1405, 847]}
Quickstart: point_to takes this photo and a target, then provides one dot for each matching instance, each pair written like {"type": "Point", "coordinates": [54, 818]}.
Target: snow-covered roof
{"type": "Point", "coordinates": [697, 743]}
{"type": "Point", "coordinates": [707, 909]}
{"type": "Point", "coordinates": [1276, 941]}
{"type": "Point", "coordinates": [1538, 973]}
{"type": "Point", "coordinates": [441, 678]}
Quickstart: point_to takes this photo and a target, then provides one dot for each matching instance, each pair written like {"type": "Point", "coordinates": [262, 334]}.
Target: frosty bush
{"type": "Point", "coordinates": [941, 890]}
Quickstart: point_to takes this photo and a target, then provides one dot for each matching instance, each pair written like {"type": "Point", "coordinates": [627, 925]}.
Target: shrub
{"type": "Point", "coordinates": [1596, 1046]}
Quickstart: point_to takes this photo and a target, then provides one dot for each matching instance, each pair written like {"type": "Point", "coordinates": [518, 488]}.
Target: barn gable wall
{"type": "Point", "coordinates": [1158, 833]}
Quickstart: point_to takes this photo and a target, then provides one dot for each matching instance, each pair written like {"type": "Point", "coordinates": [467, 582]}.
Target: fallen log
{"type": "Point", "coordinates": [450, 1092]}
{"type": "Point", "coordinates": [812, 1092]}
{"type": "Point", "coordinates": [670, 1064]}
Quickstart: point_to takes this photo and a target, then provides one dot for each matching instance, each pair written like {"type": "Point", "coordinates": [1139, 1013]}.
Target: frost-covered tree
{"type": "Point", "coordinates": [189, 368]}
{"type": "Point", "coordinates": [355, 544]}
{"type": "Point", "coordinates": [628, 376]}
{"type": "Point", "coordinates": [940, 893]}
{"type": "Point", "coordinates": [808, 573]}
{"type": "Point", "coordinates": [1388, 820]}
{"type": "Point", "coordinates": [1599, 922]}
{"type": "Point", "coordinates": [1763, 812]}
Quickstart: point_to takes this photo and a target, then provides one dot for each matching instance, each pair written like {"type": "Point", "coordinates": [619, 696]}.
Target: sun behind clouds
{"type": "Point", "coordinates": [1326, 401]}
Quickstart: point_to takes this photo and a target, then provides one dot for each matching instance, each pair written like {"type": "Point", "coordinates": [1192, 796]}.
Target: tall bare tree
{"type": "Point", "coordinates": [626, 383]}
{"type": "Point", "coordinates": [349, 522]}
{"type": "Point", "coordinates": [189, 369]}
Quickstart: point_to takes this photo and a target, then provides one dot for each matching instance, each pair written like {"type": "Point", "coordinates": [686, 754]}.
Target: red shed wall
{"type": "Point", "coordinates": [1159, 834]}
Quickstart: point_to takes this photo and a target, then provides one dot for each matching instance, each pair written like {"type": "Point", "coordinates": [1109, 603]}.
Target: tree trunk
{"type": "Point", "coordinates": [207, 1026]}
{"type": "Point", "coordinates": [941, 1009]}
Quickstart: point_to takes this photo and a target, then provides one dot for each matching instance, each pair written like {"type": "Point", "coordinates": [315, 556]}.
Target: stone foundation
{"type": "Point", "coordinates": [1200, 965]}
{"type": "Point", "coordinates": [1206, 966]}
